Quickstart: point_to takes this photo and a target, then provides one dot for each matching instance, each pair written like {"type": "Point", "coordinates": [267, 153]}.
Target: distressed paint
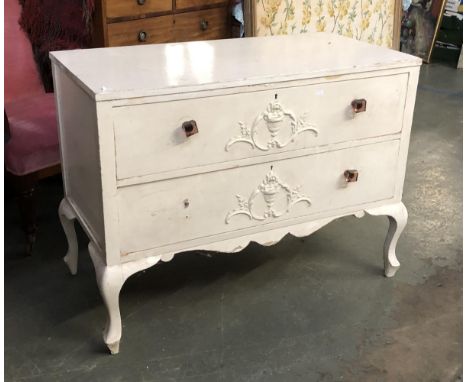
{"type": "Point", "coordinates": [156, 195]}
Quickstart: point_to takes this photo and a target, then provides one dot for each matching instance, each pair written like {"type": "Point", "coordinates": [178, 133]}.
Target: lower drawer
{"type": "Point", "coordinates": [152, 30]}
{"type": "Point", "coordinates": [171, 211]}
{"type": "Point", "coordinates": [209, 24]}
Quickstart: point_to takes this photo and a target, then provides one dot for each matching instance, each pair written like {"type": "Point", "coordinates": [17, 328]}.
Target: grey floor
{"type": "Point", "coordinates": [313, 309]}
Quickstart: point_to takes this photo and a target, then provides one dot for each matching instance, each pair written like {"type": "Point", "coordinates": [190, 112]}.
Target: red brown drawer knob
{"type": "Point", "coordinates": [190, 128]}
{"type": "Point", "coordinates": [141, 2]}
{"type": "Point", "coordinates": [359, 105]}
{"type": "Point", "coordinates": [142, 36]}
{"type": "Point", "coordinates": [351, 175]}
{"type": "Point", "coordinates": [203, 25]}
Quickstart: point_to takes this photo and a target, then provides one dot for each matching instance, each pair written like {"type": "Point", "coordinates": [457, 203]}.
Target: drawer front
{"type": "Point", "coordinates": [145, 31]}
{"type": "Point", "coordinates": [150, 139]}
{"type": "Point", "coordinates": [171, 211]}
{"type": "Point", "coordinates": [186, 4]}
{"type": "Point", "coordinates": [210, 24]}
{"type": "Point", "coordinates": [132, 8]}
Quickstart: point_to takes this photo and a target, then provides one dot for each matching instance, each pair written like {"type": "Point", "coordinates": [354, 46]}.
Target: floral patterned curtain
{"type": "Point", "coordinates": [366, 20]}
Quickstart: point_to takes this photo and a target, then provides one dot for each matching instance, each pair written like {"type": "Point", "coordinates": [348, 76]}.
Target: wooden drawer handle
{"type": "Point", "coordinates": [359, 105]}
{"type": "Point", "coordinates": [141, 2]}
{"type": "Point", "coordinates": [142, 36]}
{"type": "Point", "coordinates": [203, 25]}
{"type": "Point", "coordinates": [190, 128]}
{"type": "Point", "coordinates": [351, 176]}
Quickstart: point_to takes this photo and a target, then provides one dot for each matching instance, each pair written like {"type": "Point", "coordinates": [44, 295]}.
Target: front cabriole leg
{"type": "Point", "coordinates": [398, 217]}
{"type": "Point", "coordinates": [110, 280]}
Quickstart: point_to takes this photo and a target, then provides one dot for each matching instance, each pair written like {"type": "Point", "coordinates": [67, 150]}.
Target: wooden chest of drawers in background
{"type": "Point", "coordinates": [134, 22]}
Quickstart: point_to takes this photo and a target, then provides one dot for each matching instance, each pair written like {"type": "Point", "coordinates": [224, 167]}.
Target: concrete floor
{"type": "Point", "coordinates": [313, 309]}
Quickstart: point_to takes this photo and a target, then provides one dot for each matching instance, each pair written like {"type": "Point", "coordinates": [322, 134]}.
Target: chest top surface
{"type": "Point", "coordinates": [159, 69]}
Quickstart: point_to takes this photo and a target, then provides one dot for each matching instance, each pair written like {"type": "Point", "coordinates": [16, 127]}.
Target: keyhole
{"type": "Point", "coordinates": [276, 96]}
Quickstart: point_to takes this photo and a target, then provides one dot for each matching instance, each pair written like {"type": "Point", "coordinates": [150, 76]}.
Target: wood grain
{"type": "Point", "coordinates": [157, 29]}
{"type": "Point", "coordinates": [397, 15]}
{"type": "Point", "coordinates": [249, 18]}
{"type": "Point", "coordinates": [122, 8]}
{"type": "Point", "coordinates": [187, 26]}
{"type": "Point", "coordinates": [99, 37]}
{"type": "Point", "coordinates": [183, 4]}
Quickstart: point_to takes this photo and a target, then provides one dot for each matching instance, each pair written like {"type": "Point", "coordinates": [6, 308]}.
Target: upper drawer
{"type": "Point", "coordinates": [184, 4]}
{"type": "Point", "coordinates": [126, 8]}
{"type": "Point", "coordinates": [149, 138]}
{"type": "Point", "coordinates": [145, 31]}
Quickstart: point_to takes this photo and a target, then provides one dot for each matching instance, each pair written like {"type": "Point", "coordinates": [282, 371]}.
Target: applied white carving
{"type": "Point", "coordinates": [270, 188]}
{"type": "Point", "coordinates": [274, 114]}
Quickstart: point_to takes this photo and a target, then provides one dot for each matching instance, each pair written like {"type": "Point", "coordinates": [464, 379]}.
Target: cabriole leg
{"type": "Point", "coordinates": [398, 217]}
{"type": "Point", "coordinates": [110, 280]}
{"type": "Point", "coordinates": [67, 217]}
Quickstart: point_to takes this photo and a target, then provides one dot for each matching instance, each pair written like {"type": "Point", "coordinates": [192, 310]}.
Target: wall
{"type": "Point", "coordinates": [366, 20]}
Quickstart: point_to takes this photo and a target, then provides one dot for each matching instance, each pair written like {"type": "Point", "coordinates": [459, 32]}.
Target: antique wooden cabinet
{"type": "Point", "coordinates": [138, 22]}
{"type": "Point", "coordinates": [211, 145]}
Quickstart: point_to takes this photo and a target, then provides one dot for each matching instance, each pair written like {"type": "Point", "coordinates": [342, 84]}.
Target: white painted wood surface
{"type": "Point", "coordinates": [155, 128]}
{"type": "Point", "coordinates": [398, 217]}
{"type": "Point", "coordinates": [276, 134]}
{"type": "Point", "coordinates": [80, 153]}
{"type": "Point", "coordinates": [158, 214]}
{"type": "Point", "coordinates": [137, 71]}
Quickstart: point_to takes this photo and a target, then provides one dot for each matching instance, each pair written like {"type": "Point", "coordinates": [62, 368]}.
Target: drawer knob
{"type": "Point", "coordinates": [142, 36]}
{"type": "Point", "coordinates": [204, 25]}
{"type": "Point", "coordinates": [141, 2]}
{"type": "Point", "coordinates": [190, 128]}
{"type": "Point", "coordinates": [351, 176]}
{"type": "Point", "coordinates": [359, 105]}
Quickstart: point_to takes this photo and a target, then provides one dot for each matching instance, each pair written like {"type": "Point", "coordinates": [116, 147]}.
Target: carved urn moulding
{"type": "Point", "coordinates": [273, 117]}
{"type": "Point", "coordinates": [271, 189]}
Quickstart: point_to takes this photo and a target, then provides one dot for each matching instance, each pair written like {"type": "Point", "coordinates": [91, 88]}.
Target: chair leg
{"type": "Point", "coordinates": [67, 217]}
{"type": "Point", "coordinates": [26, 197]}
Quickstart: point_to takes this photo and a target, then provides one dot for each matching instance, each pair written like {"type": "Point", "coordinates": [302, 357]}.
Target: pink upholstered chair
{"type": "Point", "coordinates": [32, 150]}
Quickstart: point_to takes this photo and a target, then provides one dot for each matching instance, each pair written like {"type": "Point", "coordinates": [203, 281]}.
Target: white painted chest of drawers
{"type": "Point", "coordinates": [211, 145]}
